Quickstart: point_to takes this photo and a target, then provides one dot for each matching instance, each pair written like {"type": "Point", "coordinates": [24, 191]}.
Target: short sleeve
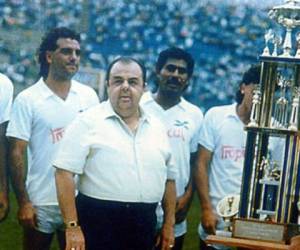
{"type": "Point", "coordinates": [73, 148]}
{"type": "Point", "coordinates": [21, 119]}
{"type": "Point", "coordinates": [207, 132]}
{"type": "Point", "coordinates": [195, 137]}
{"type": "Point", "coordinates": [6, 96]}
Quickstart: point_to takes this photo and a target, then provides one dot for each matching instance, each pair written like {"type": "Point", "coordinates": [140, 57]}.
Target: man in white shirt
{"type": "Point", "coordinates": [6, 96]}
{"type": "Point", "coordinates": [123, 160]}
{"type": "Point", "coordinates": [39, 117]}
{"type": "Point", "coordinates": [220, 161]}
{"type": "Point", "coordinates": [183, 120]}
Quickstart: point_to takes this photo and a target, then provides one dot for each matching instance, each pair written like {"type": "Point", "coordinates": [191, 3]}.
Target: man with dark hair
{"type": "Point", "coordinates": [6, 96]}
{"type": "Point", "coordinates": [39, 117]}
{"type": "Point", "coordinates": [183, 120]}
{"type": "Point", "coordinates": [123, 160]}
{"type": "Point", "coordinates": [220, 160]}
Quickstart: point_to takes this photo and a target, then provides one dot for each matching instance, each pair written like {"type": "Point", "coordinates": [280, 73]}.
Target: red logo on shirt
{"type": "Point", "coordinates": [57, 134]}
{"type": "Point", "coordinates": [176, 133]}
{"type": "Point", "coordinates": [232, 153]}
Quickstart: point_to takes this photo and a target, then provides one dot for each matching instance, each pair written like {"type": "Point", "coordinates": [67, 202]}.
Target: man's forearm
{"type": "Point", "coordinates": [169, 203]}
{"type": "Point", "coordinates": [17, 170]}
{"type": "Point", "coordinates": [201, 178]}
{"type": "Point", "coordinates": [3, 161]}
{"type": "Point", "coordinates": [65, 187]}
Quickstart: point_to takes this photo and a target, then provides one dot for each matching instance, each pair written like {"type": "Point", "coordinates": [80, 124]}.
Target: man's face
{"type": "Point", "coordinates": [173, 76]}
{"type": "Point", "coordinates": [247, 90]}
{"type": "Point", "coordinates": [125, 87]}
{"type": "Point", "coordinates": [64, 61]}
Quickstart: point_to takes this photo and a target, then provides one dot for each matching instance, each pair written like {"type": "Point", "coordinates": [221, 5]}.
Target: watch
{"type": "Point", "coordinates": [71, 224]}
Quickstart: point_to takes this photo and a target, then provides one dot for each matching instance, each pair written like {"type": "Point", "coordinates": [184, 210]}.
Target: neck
{"type": "Point", "coordinates": [60, 88]}
{"type": "Point", "coordinates": [131, 119]}
{"type": "Point", "coordinates": [166, 101]}
{"type": "Point", "coordinates": [243, 113]}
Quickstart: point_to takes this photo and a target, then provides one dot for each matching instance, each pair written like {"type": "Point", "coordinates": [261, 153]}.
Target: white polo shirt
{"type": "Point", "coordinates": [112, 162]}
{"type": "Point", "coordinates": [6, 96]}
{"type": "Point", "coordinates": [223, 134]}
{"type": "Point", "coordinates": [40, 118]}
{"type": "Point", "coordinates": [183, 122]}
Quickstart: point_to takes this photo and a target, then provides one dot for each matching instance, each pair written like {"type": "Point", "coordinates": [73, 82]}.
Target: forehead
{"type": "Point", "coordinates": [126, 70]}
{"type": "Point", "coordinates": [68, 43]}
{"type": "Point", "coordinates": [177, 62]}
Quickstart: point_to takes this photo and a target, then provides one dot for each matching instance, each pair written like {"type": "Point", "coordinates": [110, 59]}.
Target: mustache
{"type": "Point", "coordinates": [174, 80]}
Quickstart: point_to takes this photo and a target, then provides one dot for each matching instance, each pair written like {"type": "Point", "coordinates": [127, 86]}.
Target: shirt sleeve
{"type": "Point", "coordinates": [21, 119]}
{"type": "Point", "coordinates": [207, 132]}
{"type": "Point", "coordinates": [6, 96]}
{"type": "Point", "coordinates": [195, 136]}
{"type": "Point", "coordinates": [73, 148]}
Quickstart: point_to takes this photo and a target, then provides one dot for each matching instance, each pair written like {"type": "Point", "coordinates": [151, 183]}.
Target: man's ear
{"type": "Point", "coordinates": [242, 88]}
{"type": "Point", "coordinates": [49, 56]}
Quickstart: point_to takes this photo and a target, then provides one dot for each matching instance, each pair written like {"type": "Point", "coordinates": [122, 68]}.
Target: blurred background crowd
{"type": "Point", "coordinates": [224, 37]}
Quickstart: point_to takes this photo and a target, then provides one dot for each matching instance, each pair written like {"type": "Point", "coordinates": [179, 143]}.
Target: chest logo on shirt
{"type": "Point", "coordinates": [57, 134]}
{"type": "Point", "coordinates": [179, 129]}
{"type": "Point", "coordinates": [232, 153]}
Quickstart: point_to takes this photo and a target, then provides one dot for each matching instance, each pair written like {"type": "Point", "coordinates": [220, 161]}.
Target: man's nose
{"type": "Point", "coordinates": [125, 85]}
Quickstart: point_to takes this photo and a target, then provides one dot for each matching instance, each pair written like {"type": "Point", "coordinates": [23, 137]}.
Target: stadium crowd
{"type": "Point", "coordinates": [223, 38]}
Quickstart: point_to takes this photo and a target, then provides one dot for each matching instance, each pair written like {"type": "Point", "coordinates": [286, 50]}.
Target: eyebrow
{"type": "Point", "coordinates": [121, 77]}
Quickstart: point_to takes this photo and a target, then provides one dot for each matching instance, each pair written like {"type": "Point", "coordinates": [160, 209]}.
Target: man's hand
{"type": "Point", "coordinates": [3, 206]}
{"type": "Point", "coordinates": [166, 239]}
{"type": "Point", "coordinates": [209, 221]}
{"type": "Point", "coordinates": [27, 215]}
{"type": "Point", "coordinates": [74, 239]}
{"type": "Point", "coordinates": [295, 243]}
{"type": "Point", "coordinates": [182, 207]}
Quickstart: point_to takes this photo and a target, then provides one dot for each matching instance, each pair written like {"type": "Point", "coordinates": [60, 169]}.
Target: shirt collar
{"type": "Point", "coordinates": [46, 92]}
{"type": "Point", "coordinates": [109, 112]}
{"type": "Point", "coordinates": [148, 97]}
{"type": "Point", "coordinates": [232, 112]}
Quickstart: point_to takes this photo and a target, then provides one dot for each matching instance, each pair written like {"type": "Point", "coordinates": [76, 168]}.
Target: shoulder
{"type": "Point", "coordinates": [191, 108]}
{"type": "Point", "coordinates": [216, 115]}
{"type": "Point", "coordinates": [32, 93]}
{"type": "Point", "coordinates": [5, 83]}
{"type": "Point", "coordinates": [82, 88]}
{"type": "Point", "coordinates": [220, 110]}
{"type": "Point", "coordinates": [146, 99]}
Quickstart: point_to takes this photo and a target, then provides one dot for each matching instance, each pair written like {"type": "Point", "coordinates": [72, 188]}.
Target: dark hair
{"type": "Point", "coordinates": [175, 53]}
{"type": "Point", "coordinates": [126, 60]}
{"type": "Point", "coordinates": [49, 43]}
{"type": "Point", "coordinates": [251, 76]}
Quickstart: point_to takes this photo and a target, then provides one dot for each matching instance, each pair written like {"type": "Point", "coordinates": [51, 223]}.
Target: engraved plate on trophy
{"type": "Point", "coordinates": [257, 230]}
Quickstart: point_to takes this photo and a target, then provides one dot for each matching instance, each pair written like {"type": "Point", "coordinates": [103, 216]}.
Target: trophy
{"type": "Point", "coordinates": [293, 125]}
{"type": "Point", "coordinates": [228, 208]}
{"type": "Point", "coordinates": [269, 207]}
{"type": "Point", "coordinates": [269, 37]}
{"type": "Point", "coordinates": [255, 108]}
{"type": "Point", "coordinates": [281, 105]}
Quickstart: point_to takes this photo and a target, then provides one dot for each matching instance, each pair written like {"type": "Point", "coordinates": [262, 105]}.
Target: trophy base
{"type": "Point", "coordinates": [245, 243]}
{"type": "Point", "coordinates": [266, 231]}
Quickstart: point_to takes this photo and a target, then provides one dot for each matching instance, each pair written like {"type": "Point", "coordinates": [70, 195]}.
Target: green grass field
{"type": "Point", "coordinates": [11, 233]}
